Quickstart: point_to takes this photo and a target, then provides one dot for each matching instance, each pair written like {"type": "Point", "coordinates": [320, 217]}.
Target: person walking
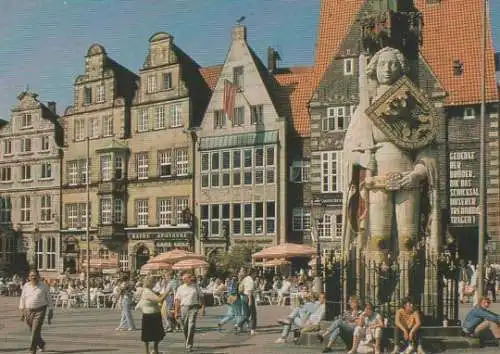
{"type": "Point", "coordinates": [126, 296]}
{"type": "Point", "coordinates": [247, 288]}
{"type": "Point", "coordinates": [35, 302]}
{"type": "Point", "coordinates": [490, 281]}
{"type": "Point", "coordinates": [188, 301]}
{"type": "Point", "coordinates": [152, 324]}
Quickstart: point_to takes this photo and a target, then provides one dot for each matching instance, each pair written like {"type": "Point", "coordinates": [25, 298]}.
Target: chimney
{"type": "Point", "coordinates": [239, 33]}
{"type": "Point", "coordinates": [52, 106]}
{"type": "Point", "coordinates": [272, 59]}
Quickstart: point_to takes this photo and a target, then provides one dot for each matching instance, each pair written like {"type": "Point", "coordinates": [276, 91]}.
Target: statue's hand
{"type": "Point", "coordinates": [409, 180]}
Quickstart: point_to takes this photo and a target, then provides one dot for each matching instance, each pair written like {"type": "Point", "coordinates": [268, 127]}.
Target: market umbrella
{"type": "Point", "coordinates": [285, 250]}
{"type": "Point", "coordinates": [188, 264]}
{"type": "Point", "coordinates": [276, 262]}
{"type": "Point", "coordinates": [175, 256]}
{"type": "Point", "coordinates": [148, 267]}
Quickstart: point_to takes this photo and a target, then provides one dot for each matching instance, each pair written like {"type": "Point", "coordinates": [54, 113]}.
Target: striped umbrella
{"type": "Point", "coordinates": [188, 264]}
{"type": "Point", "coordinates": [148, 267]}
{"type": "Point", "coordinates": [175, 256]}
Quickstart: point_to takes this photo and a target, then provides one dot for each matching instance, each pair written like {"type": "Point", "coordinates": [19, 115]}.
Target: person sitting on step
{"type": "Point", "coordinates": [306, 318]}
{"type": "Point", "coordinates": [408, 322]}
{"type": "Point", "coordinates": [368, 330]}
{"type": "Point", "coordinates": [480, 319]}
{"type": "Point", "coordinates": [343, 326]}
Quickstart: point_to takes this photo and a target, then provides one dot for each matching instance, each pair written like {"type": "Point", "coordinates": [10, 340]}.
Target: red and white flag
{"type": "Point", "coordinates": [230, 91]}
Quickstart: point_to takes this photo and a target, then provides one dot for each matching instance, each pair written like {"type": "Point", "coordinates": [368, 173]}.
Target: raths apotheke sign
{"type": "Point", "coordinates": [464, 187]}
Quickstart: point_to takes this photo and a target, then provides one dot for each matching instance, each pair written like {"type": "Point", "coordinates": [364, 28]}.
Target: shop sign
{"type": "Point", "coordinates": [464, 188]}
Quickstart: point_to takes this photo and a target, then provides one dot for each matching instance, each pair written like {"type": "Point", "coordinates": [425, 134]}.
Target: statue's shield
{"type": "Point", "coordinates": [405, 115]}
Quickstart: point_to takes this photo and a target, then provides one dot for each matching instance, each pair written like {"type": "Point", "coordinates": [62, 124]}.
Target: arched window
{"type": "Point", "coordinates": [39, 254]}
{"type": "Point", "coordinates": [51, 253]}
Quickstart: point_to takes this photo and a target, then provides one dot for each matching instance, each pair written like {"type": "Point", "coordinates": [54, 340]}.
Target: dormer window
{"type": "Point", "coordinates": [87, 95]}
{"type": "Point", "coordinates": [26, 120]}
{"type": "Point", "coordinates": [348, 66]}
{"type": "Point", "coordinates": [100, 94]}
{"type": "Point", "coordinates": [238, 75]}
{"type": "Point", "coordinates": [469, 113]}
{"type": "Point", "coordinates": [167, 81]}
{"type": "Point", "coordinates": [337, 119]}
{"type": "Point", "coordinates": [151, 84]}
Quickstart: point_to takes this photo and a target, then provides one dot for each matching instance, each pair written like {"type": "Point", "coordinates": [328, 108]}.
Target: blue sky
{"type": "Point", "coordinates": [43, 42]}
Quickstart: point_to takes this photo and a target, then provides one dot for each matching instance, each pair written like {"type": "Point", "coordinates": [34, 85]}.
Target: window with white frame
{"type": "Point", "coordinates": [205, 220]}
{"type": "Point", "coordinates": [238, 116]}
{"type": "Point", "coordinates": [87, 95]}
{"type": "Point", "coordinates": [26, 145]}
{"type": "Point", "coordinates": [236, 219]}
{"type": "Point", "coordinates": [143, 120]}
{"type": "Point", "coordinates": [215, 220]}
{"type": "Point", "coordinates": [118, 211]}
{"type": "Point", "coordinates": [180, 205]}
{"type": "Point", "coordinates": [469, 113]}
{"type": "Point", "coordinates": [142, 165]}
{"type": "Point", "coordinates": [259, 217]}
{"type": "Point", "coordinates": [259, 165]}
{"type": "Point", "coordinates": [79, 129]}
{"type": "Point", "coordinates": [270, 217]}
{"type": "Point", "coordinates": [26, 173]}
{"type": "Point", "coordinates": [226, 166]}
{"type": "Point", "coordinates": [165, 163]}
{"type": "Point", "coordinates": [83, 214]}
{"type": "Point", "coordinates": [257, 114]}
{"type": "Point", "coordinates": [181, 162]}
{"type": "Point", "coordinates": [164, 212]}
{"type": "Point", "coordinates": [238, 76]}
{"type": "Point", "coordinates": [270, 165]}
{"type": "Point", "coordinates": [95, 126]}
{"type": "Point", "coordinates": [73, 173]}
{"type": "Point", "coordinates": [205, 169]}
{"type": "Point", "coordinates": [176, 113]}
{"type": "Point", "coordinates": [39, 253]}
{"type": "Point", "coordinates": [7, 147]}
{"type": "Point", "coordinates": [214, 169]}
{"type": "Point", "coordinates": [73, 216]}
{"type": "Point", "coordinates": [348, 66]}
{"type": "Point", "coordinates": [106, 211]}
{"type": "Point", "coordinates": [301, 219]}
{"type": "Point", "coordinates": [247, 165]}
{"type": "Point", "coordinates": [142, 212]}
{"type": "Point", "coordinates": [45, 143]}
{"type": "Point", "coordinates": [46, 207]}
{"type": "Point", "coordinates": [26, 120]}
{"type": "Point", "coordinates": [119, 167]}
{"type": "Point", "coordinates": [299, 171]}
{"type": "Point", "coordinates": [167, 81]}
{"type": "Point", "coordinates": [331, 171]}
{"type": "Point", "coordinates": [151, 83]}
{"type": "Point", "coordinates": [6, 174]}
{"type": "Point", "coordinates": [46, 170]}
{"type": "Point", "coordinates": [106, 167]}
{"type": "Point", "coordinates": [337, 119]}
{"type": "Point", "coordinates": [248, 218]}
{"type": "Point", "coordinates": [84, 171]}
{"type": "Point", "coordinates": [325, 226]}
{"type": "Point", "coordinates": [51, 253]}
{"type": "Point", "coordinates": [25, 208]}
{"type": "Point", "coordinates": [123, 260]}
{"type": "Point", "coordinates": [159, 117]}
{"type": "Point", "coordinates": [107, 125]}
{"type": "Point", "coordinates": [100, 97]}
{"type": "Point", "coordinates": [5, 210]}
{"type": "Point", "coordinates": [219, 118]}
{"type": "Point", "coordinates": [337, 226]}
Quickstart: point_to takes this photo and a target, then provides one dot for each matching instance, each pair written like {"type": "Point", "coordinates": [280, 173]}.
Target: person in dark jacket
{"type": "Point", "coordinates": [480, 319]}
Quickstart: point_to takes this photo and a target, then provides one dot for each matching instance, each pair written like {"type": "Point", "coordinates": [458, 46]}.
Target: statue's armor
{"type": "Point", "coordinates": [390, 158]}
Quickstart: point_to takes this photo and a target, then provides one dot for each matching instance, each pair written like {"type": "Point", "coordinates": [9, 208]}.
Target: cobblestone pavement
{"type": "Point", "coordinates": [92, 331]}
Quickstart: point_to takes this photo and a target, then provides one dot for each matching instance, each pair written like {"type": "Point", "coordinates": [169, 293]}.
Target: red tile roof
{"type": "Point", "coordinates": [211, 74]}
{"type": "Point", "coordinates": [453, 31]}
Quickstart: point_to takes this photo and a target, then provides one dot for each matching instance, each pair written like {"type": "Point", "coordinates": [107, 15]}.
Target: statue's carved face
{"type": "Point", "coordinates": [388, 68]}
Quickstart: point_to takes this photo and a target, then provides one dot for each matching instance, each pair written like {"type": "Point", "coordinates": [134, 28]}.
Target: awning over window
{"type": "Point", "coordinates": [236, 140]}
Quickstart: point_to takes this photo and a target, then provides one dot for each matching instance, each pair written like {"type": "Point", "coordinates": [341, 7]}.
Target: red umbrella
{"type": "Point", "coordinates": [188, 264]}
{"type": "Point", "coordinates": [175, 256]}
{"type": "Point", "coordinates": [155, 266]}
{"type": "Point", "coordinates": [285, 250]}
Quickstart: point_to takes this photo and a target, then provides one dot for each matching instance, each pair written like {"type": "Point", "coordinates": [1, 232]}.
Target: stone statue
{"type": "Point", "coordinates": [390, 174]}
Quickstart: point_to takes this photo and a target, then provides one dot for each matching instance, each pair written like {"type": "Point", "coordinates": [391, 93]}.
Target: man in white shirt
{"type": "Point", "coordinates": [247, 289]}
{"type": "Point", "coordinates": [34, 303]}
{"type": "Point", "coordinates": [188, 301]}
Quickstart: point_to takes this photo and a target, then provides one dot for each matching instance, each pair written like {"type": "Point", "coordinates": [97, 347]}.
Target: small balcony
{"type": "Point", "coordinates": [111, 232]}
{"type": "Point", "coordinates": [112, 187]}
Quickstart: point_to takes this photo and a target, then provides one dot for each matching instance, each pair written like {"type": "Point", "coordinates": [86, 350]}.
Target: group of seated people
{"type": "Point", "coordinates": [356, 327]}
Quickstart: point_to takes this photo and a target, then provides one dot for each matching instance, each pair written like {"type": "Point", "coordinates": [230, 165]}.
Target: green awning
{"type": "Point", "coordinates": [236, 140]}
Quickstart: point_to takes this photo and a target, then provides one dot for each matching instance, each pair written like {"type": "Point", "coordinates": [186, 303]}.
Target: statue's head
{"type": "Point", "coordinates": [387, 66]}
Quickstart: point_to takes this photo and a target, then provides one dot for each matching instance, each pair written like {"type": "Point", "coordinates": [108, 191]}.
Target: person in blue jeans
{"type": "Point", "coordinates": [235, 311]}
{"type": "Point", "coordinates": [126, 296]}
{"type": "Point", "coordinates": [481, 319]}
{"type": "Point", "coordinates": [342, 326]}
